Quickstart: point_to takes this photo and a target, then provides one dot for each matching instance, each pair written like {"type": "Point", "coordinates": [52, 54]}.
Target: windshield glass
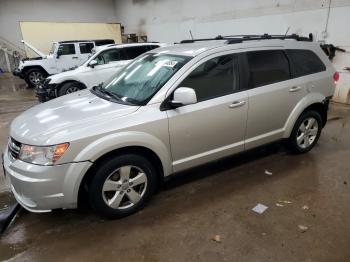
{"type": "Point", "coordinates": [53, 48]}
{"type": "Point", "coordinates": [141, 79]}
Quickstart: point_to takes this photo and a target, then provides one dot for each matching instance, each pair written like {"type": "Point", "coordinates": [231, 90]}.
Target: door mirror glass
{"type": "Point", "coordinates": [184, 96]}
{"type": "Point", "coordinates": [93, 63]}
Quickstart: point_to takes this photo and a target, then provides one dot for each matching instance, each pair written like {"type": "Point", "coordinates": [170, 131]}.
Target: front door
{"type": "Point", "coordinates": [109, 62]}
{"type": "Point", "coordinates": [214, 127]}
{"type": "Point", "coordinates": [67, 57]}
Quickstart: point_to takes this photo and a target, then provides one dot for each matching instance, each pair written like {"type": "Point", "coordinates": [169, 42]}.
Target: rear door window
{"type": "Point", "coordinates": [267, 67]}
{"type": "Point", "coordinates": [85, 48]}
{"type": "Point", "coordinates": [135, 51]}
{"type": "Point", "coordinates": [304, 62]}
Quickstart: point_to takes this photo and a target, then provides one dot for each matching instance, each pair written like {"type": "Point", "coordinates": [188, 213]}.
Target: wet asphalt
{"type": "Point", "coordinates": [310, 191]}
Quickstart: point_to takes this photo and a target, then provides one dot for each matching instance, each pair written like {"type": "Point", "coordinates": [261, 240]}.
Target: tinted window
{"type": "Point", "coordinates": [267, 67]}
{"type": "Point", "coordinates": [85, 48]}
{"type": "Point", "coordinates": [215, 77]}
{"type": "Point", "coordinates": [304, 62]}
{"type": "Point", "coordinates": [104, 42]}
{"type": "Point", "coordinates": [135, 51]}
{"type": "Point", "coordinates": [66, 49]}
{"type": "Point", "coordinates": [150, 47]}
{"type": "Point", "coordinates": [109, 56]}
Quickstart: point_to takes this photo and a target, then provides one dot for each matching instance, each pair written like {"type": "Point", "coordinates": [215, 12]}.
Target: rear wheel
{"type": "Point", "coordinates": [306, 132]}
{"type": "Point", "coordinates": [122, 186]}
{"type": "Point", "coordinates": [69, 88]}
{"type": "Point", "coordinates": [34, 77]}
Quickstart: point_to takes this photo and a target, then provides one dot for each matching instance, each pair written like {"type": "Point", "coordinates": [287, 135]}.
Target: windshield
{"type": "Point", "coordinates": [140, 80]}
{"type": "Point", "coordinates": [53, 48]}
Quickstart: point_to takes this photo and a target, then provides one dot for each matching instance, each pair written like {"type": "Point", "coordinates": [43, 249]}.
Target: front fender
{"type": "Point", "coordinates": [308, 100]}
{"type": "Point", "coordinates": [111, 142]}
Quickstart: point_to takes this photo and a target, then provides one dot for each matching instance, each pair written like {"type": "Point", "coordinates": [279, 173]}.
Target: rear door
{"type": "Point", "coordinates": [85, 50]}
{"type": "Point", "coordinates": [273, 94]}
{"type": "Point", "coordinates": [214, 127]}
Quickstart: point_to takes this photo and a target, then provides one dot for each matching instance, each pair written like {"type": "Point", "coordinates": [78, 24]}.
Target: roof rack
{"type": "Point", "coordinates": [235, 39]}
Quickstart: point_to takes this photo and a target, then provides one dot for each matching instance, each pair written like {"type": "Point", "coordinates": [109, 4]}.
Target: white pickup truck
{"type": "Point", "coordinates": [102, 65]}
{"type": "Point", "coordinates": [64, 55]}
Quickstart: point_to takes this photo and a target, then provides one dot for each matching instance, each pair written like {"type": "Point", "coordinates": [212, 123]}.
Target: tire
{"type": "Point", "coordinates": [34, 76]}
{"type": "Point", "coordinates": [122, 185]}
{"type": "Point", "coordinates": [69, 88]}
{"type": "Point", "coordinates": [301, 142]}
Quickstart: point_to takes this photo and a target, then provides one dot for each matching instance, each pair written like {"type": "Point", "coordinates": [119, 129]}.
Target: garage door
{"type": "Point", "coordinates": [42, 34]}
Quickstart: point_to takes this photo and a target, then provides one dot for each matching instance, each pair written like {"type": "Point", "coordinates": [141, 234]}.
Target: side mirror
{"type": "Point", "coordinates": [184, 96]}
{"type": "Point", "coordinates": [93, 63]}
{"type": "Point", "coordinates": [59, 53]}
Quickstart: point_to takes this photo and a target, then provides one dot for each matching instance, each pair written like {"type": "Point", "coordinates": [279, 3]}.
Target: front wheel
{"type": "Point", "coordinates": [69, 88]}
{"type": "Point", "coordinates": [34, 77]}
{"type": "Point", "coordinates": [306, 132]}
{"type": "Point", "coordinates": [122, 186]}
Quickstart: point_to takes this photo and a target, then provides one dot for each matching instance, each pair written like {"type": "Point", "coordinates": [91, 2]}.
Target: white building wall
{"type": "Point", "coordinates": [14, 11]}
{"type": "Point", "coordinates": [171, 20]}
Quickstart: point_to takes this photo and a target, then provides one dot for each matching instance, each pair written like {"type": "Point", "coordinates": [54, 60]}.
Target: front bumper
{"type": "Point", "coordinates": [18, 72]}
{"type": "Point", "coordinates": [43, 188]}
{"type": "Point", "coordinates": [45, 91]}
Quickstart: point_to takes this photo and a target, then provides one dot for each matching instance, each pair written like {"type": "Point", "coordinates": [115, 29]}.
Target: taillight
{"type": "Point", "coordinates": [336, 77]}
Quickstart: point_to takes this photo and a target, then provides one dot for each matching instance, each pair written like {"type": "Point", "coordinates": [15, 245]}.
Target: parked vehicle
{"type": "Point", "coordinates": [97, 69]}
{"type": "Point", "coordinates": [170, 109]}
{"type": "Point", "coordinates": [64, 55]}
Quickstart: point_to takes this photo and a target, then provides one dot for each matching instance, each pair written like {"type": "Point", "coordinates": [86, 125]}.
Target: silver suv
{"type": "Point", "coordinates": [170, 109]}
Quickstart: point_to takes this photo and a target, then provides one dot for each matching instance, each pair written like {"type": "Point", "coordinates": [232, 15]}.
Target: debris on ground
{"type": "Point", "coordinates": [303, 228]}
{"type": "Point", "coordinates": [279, 205]}
{"type": "Point", "coordinates": [267, 172]}
{"type": "Point", "coordinates": [216, 238]}
{"type": "Point", "coordinates": [345, 183]}
{"type": "Point", "coordinates": [284, 201]}
{"type": "Point", "coordinates": [263, 234]}
{"type": "Point", "coordinates": [305, 207]}
{"type": "Point", "coordinates": [260, 208]}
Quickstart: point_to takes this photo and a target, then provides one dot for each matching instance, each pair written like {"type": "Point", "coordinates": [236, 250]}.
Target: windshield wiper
{"type": "Point", "coordinates": [106, 92]}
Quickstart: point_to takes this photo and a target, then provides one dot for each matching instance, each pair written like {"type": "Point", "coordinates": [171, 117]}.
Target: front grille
{"type": "Point", "coordinates": [14, 147]}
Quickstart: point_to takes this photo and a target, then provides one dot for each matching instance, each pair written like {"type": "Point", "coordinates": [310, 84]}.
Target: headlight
{"type": "Point", "coordinates": [42, 155]}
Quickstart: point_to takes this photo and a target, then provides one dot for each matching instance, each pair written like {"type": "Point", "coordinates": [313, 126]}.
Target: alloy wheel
{"type": "Point", "coordinates": [35, 77]}
{"type": "Point", "coordinates": [124, 187]}
{"type": "Point", "coordinates": [307, 132]}
{"type": "Point", "coordinates": [72, 89]}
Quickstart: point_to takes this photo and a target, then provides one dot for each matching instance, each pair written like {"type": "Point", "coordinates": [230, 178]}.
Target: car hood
{"type": "Point", "coordinates": [55, 121]}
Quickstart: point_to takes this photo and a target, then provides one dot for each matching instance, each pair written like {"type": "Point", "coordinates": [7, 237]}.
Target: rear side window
{"type": "Point", "coordinates": [214, 78]}
{"type": "Point", "coordinates": [135, 51]}
{"type": "Point", "coordinates": [304, 62]}
{"type": "Point", "coordinates": [267, 67]}
{"type": "Point", "coordinates": [150, 47]}
{"type": "Point", "coordinates": [85, 48]}
{"type": "Point", "coordinates": [66, 49]}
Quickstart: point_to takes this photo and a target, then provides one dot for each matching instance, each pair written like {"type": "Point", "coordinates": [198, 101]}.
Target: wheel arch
{"type": "Point", "coordinates": [316, 101]}
{"type": "Point", "coordinates": [27, 68]}
{"type": "Point", "coordinates": [138, 150]}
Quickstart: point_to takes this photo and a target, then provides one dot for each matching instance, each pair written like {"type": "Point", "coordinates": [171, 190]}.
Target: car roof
{"type": "Point", "coordinates": [77, 41]}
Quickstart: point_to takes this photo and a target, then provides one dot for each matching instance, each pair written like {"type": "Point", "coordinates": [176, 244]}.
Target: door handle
{"type": "Point", "coordinates": [295, 89]}
{"type": "Point", "coordinates": [236, 104]}
{"type": "Point", "coordinates": [74, 57]}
